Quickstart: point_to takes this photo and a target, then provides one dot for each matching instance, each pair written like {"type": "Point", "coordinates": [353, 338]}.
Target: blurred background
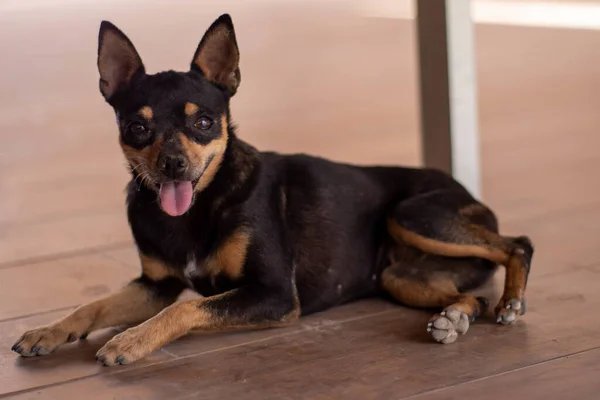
{"type": "Point", "coordinates": [335, 78]}
{"type": "Point", "coordinates": [330, 77]}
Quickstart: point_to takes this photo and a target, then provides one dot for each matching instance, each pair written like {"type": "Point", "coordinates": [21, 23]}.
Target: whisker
{"type": "Point", "coordinates": [136, 171]}
{"type": "Point", "coordinates": [137, 175]}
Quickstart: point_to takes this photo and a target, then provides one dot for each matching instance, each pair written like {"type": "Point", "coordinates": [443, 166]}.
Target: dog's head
{"type": "Point", "coordinates": [173, 125]}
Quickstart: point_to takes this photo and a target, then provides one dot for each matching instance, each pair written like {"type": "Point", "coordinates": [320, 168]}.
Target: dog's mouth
{"type": "Point", "coordinates": [176, 196]}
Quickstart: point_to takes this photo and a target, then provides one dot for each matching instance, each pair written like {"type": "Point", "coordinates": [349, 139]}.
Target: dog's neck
{"type": "Point", "coordinates": [236, 176]}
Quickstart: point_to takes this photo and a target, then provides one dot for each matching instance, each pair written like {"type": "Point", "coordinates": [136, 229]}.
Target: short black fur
{"type": "Point", "coordinates": [331, 232]}
{"type": "Point", "coordinates": [266, 237]}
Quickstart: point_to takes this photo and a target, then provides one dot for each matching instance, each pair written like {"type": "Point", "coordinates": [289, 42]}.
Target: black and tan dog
{"type": "Point", "coordinates": [264, 237]}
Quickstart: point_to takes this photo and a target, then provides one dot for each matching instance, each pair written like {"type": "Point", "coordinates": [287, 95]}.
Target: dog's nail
{"type": "Point", "coordinates": [443, 313]}
{"type": "Point", "coordinates": [120, 360]}
{"type": "Point", "coordinates": [35, 349]}
{"type": "Point", "coordinates": [510, 317]}
{"type": "Point", "coordinates": [515, 304]}
{"type": "Point", "coordinates": [72, 337]}
{"type": "Point", "coordinates": [102, 360]}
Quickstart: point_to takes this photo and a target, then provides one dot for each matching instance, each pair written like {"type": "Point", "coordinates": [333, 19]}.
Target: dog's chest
{"type": "Point", "coordinates": [207, 276]}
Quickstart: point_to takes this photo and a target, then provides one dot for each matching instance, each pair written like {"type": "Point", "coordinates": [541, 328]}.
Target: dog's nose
{"type": "Point", "coordinates": [173, 165]}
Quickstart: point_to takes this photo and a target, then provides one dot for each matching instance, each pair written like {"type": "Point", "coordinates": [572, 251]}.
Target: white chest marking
{"type": "Point", "coordinates": [191, 269]}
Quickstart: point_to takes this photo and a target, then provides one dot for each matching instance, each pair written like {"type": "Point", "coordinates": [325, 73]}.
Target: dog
{"type": "Point", "coordinates": [264, 237]}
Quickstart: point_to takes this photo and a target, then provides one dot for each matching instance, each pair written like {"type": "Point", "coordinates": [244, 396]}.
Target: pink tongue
{"type": "Point", "coordinates": [176, 197]}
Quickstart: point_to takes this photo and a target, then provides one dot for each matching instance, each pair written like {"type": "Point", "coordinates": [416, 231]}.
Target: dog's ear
{"type": "Point", "coordinates": [118, 61]}
{"type": "Point", "coordinates": [217, 55]}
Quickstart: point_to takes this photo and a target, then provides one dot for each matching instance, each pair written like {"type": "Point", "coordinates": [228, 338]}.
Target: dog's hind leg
{"type": "Point", "coordinates": [429, 281]}
{"type": "Point", "coordinates": [450, 223]}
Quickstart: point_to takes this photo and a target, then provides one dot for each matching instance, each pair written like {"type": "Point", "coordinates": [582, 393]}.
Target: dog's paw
{"type": "Point", "coordinates": [446, 326]}
{"type": "Point", "coordinates": [42, 341]}
{"type": "Point", "coordinates": [124, 348]}
{"type": "Point", "coordinates": [508, 310]}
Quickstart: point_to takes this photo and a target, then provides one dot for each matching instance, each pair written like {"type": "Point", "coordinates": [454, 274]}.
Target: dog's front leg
{"type": "Point", "coordinates": [244, 308]}
{"type": "Point", "coordinates": [138, 301]}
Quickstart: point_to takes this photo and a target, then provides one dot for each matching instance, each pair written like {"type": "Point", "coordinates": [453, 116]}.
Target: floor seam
{"type": "Point", "coordinates": [35, 314]}
{"type": "Point", "coordinates": [483, 378]}
{"type": "Point", "coordinates": [167, 352]}
{"type": "Point", "coordinates": [560, 212]}
{"type": "Point", "coordinates": [65, 255]}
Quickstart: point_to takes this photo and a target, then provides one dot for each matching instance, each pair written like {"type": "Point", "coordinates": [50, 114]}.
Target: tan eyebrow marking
{"type": "Point", "coordinates": [190, 109]}
{"type": "Point", "coordinates": [146, 112]}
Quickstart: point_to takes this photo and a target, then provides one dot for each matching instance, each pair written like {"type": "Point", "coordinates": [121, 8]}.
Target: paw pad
{"type": "Point", "coordinates": [509, 310]}
{"type": "Point", "coordinates": [446, 326]}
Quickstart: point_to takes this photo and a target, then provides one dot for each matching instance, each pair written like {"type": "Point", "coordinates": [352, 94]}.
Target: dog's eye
{"type": "Point", "coordinates": [203, 123]}
{"type": "Point", "coordinates": [136, 128]}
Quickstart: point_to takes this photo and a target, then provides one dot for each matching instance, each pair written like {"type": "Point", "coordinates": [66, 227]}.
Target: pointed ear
{"type": "Point", "coordinates": [118, 61]}
{"type": "Point", "coordinates": [217, 55]}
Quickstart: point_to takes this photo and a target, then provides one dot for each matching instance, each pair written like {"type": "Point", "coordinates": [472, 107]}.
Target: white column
{"type": "Point", "coordinates": [448, 89]}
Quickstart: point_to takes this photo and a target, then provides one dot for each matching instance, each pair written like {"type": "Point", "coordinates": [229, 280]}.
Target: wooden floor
{"type": "Point", "coordinates": [320, 81]}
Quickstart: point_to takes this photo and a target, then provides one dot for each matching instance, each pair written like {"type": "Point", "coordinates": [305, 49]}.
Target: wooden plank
{"type": "Point", "coordinates": [563, 241]}
{"type": "Point", "coordinates": [127, 256]}
{"type": "Point", "coordinates": [204, 343]}
{"type": "Point", "coordinates": [72, 233]}
{"type": "Point", "coordinates": [387, 355]}
{"type": "Point", "coordinates": [537, 117]}
{"type": "Point", "coordinates": [92, 190]}
{"type": "Point", "coordinates": [571, 377]}
{"type": "Point", "coordinates": [74, 361]}
{"type": "Point", "coordinates": [71, 361]}
{"type": "Point", "coordinates": [60, 283]}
